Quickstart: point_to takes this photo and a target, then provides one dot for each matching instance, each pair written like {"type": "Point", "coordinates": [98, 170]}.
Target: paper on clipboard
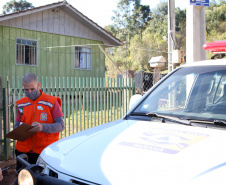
{"type": "Point", "coordinates": [21, 133]}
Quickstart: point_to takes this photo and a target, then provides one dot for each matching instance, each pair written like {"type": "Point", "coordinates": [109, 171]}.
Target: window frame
{"type": "Point", "coordinates": [80, 46]}
{"type": "Point", "coordinates": [36, 58]}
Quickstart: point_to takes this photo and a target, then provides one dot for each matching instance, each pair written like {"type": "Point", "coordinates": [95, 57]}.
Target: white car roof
{"type": "Point", "coordinates": [217, 62]}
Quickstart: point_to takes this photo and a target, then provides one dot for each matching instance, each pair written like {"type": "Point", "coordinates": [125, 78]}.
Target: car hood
{"type": "Point", "coordinates": [142, 152]}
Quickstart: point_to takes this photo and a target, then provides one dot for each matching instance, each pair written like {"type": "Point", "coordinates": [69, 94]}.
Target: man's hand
{"type": "Point", "coordinates": [37, 127]}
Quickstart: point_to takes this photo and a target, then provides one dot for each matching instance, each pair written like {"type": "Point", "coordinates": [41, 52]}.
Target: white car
{"type": "Point", "coordinates": [175, 134]}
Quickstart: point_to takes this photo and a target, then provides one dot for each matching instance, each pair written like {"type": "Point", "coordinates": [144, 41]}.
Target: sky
{"type": "Point", "coordinates": [100, 11]}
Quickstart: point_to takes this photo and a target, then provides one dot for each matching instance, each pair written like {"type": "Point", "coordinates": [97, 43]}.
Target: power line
{"type": "Point", "coordinates": [149, 50]}
{"type": "Point", "coordinates": [79, 46]}
{"type": "Point", "coordinates": [59, 46]}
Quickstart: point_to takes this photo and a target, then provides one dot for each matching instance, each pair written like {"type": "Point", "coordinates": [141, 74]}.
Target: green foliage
{"type": "Point", "coordinates": [159, 20]}
{"type": "Point", "coordinates": [216, 19]}
{"type": "Point", "coordinates": [215, 22]}
{"type": "Point", "coordinates": [180, 17]}
{"type": "Point", "coordinates": [130, 19]}
{"type": "Point", "coordinates": [144, 35]}
{"type": "Point", "coordinates": [143, 29]}
{"type": "Point", "coordinates": [14, 6]}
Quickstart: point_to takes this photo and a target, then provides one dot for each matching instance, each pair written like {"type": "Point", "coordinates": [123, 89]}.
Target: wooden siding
{"type": "Point", "coordinates": [53, 21]}
{"type": "Point", "coordinates": [57, 62]}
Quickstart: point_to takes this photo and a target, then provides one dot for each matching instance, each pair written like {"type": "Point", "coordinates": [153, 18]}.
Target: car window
{"type": "Point", "coordinates": [213, 88]}
{"type": "Point", "coordinates": [221, 87]}
{"type": "Point", "coordinates": [192, 92]}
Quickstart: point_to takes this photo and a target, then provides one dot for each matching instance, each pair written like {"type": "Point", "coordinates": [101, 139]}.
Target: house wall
{"type": "Point", "coordinates": [57, 62]}
{"type": "Point", "coordinates": [55, 21]}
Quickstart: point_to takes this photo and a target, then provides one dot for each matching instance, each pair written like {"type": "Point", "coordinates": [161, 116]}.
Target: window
{"type": "Point", "coordinates": [83, 59]}
{"type": "Point", "coordinates": [26, 52]}
{"type": "Point", "coordinates": [217, 89]}
{"type": "Point", "coordinates": [190, 93]}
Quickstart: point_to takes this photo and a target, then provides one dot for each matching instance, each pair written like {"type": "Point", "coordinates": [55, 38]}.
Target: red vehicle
{"type": "Point", "coordinates": [217, 47]}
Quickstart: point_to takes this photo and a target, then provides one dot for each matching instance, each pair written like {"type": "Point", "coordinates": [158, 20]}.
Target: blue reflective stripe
{"type": "Point", "coordinates": [45, 103]}
{"type": "Point", "coordinates": [210, 170]}
{"type": "Point", "coordinates": [24, 104]}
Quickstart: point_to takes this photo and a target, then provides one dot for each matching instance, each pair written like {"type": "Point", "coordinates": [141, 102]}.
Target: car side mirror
{"type": "Point", "coordinates": [134, 99]}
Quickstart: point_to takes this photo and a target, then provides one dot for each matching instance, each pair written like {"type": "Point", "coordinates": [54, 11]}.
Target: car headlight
{"type": "Point", "coordinates": [25, 178]}
{"type": "Point", "coordinates": [41, 163]}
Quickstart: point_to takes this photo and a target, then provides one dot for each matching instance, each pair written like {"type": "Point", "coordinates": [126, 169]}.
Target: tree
{"type": "Point", "coordinates": [140, 18]}
{"type": "Point", "coordinates": [221, 2]}
{"type": "Point", "coordinates": [121, 19]}
{"type": "Point", "coordinates": [180, 19]}
{"type": "Point", "coordinates": [130, 18]}
{"type": "Point", "coordinates": [216, 20]}
{"type": "Point", "coordinates": [159, 20]}
{"type": "Point", "coordinates": [143, 32]}
{"type": "Point", "coordinates": [14, 6]}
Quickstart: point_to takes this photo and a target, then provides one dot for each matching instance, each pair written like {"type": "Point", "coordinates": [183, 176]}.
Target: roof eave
{"type": "Point", "coordinates": [29, 11]}
{"type": "Point", "coordinates": [89, 23]}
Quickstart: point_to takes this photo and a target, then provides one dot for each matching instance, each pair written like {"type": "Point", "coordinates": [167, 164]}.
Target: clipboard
{"type": "Point", "coordinates": [21, 133]}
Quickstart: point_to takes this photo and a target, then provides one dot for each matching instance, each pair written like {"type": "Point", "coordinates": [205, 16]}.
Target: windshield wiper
{"type": "Point", "coordinates": [162, 117]}
{"type": "Point", "coordinates": [215, 122]}
{"type": "Point", "coordinates": [191, 122]}
{"type": "Point", "coordinates": [219, 122]}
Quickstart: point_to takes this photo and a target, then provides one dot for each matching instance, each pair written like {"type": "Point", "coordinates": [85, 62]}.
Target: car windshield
{"type": "Point", "coordinates": [196, 93]}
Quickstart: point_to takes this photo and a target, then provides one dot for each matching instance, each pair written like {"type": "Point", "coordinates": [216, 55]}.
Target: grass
{"type": "Point", "coordinates": [85, 120]}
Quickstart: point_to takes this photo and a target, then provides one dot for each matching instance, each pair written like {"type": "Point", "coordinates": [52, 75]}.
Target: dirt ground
{"type": "Point", "coordinates": [9, 175]}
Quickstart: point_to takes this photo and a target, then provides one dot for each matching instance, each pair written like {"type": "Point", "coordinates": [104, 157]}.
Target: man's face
{"type": "Point", "coordinates": [30, 87]}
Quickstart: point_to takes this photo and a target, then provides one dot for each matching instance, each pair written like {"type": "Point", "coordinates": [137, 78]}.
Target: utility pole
{"type": "Point", "coordinates": [171, 34]}
{"type": "Point", "coordinates": [195, 32]}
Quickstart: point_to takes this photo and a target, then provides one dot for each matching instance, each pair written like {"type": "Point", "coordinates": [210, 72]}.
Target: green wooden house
{"type": "Point", "coordinates": [54, 40]}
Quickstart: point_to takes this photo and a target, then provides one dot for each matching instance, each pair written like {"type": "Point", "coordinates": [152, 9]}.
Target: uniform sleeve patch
{"type": "Point", "coordinates": [21, 110]}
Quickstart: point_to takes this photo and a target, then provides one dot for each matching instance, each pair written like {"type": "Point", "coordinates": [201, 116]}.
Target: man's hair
{"type": "Point", "coordinates": [29, 77]}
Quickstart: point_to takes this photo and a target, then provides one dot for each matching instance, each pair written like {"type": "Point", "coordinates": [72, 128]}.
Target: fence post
{"type": "Point", "coordinates": [134, 86]}
{"type": "Point", "coordinates": [1, 121]}
{"type": "Point", "coordinates": [6, 120]}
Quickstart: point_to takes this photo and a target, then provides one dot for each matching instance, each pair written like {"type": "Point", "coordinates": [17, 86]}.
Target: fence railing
{"type": "Point", "coordinates": [86, 102]}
